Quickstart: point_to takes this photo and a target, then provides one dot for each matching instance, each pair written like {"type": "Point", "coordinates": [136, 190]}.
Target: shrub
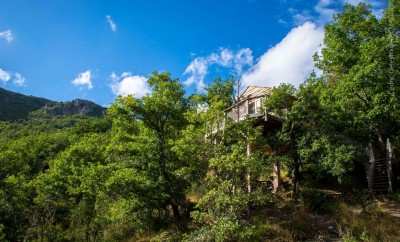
{"type": "Point", "coordinates": [319, 201]}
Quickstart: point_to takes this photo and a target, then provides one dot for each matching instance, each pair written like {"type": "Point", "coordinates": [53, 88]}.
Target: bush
{"type": "Point", "coordinates": [319, 201]}
{"type": "Point", "coordinates": [370, 225]}
{"type": "Point", "coordinates": [224, 229]}
{"type": "Point", "coordinates": [395, 196]}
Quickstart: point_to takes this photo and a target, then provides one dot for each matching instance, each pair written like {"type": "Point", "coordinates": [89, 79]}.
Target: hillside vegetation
{"type": "Point", "coordinates": [150, 169]}
{"type": "Point", "coordinates": [15, 106]}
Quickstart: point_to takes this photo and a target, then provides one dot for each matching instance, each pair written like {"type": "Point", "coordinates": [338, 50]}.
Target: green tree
{"type": "Point", "coordinates": [311, 137]}
{"type": "Point", "coordinates": [223, 209]}
{"type": "Point", "coordinates": [157, 136]}
{"type": "Point", "coordinates": [358, 64]}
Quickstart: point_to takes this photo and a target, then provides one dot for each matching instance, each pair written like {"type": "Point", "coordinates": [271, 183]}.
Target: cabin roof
{"type": "Point", "coordinates": [254, 91]}
{"type": "Point", "coordinates": [251, 92]}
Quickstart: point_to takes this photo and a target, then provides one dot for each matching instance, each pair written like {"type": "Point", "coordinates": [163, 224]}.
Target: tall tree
{"type": "Point", "coordinates": [358, 62]}
{"type": "Point", "coordinates": [159, 126]}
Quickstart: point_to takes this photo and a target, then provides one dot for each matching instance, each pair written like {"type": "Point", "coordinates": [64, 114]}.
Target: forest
{"type": "Point", "coordinates": [149, 169]}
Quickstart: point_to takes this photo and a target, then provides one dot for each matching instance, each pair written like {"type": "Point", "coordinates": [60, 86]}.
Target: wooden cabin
{"type": "Point", "coordinates": [382, 169]}
{"type": "Point", "coordinates": [250, 105]}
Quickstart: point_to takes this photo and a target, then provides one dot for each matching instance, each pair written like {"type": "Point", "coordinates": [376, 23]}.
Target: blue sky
{"type": "Point", "coordinates": [96, 50]}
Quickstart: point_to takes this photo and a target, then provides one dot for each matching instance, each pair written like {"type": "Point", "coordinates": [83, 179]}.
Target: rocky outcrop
{"type": "Point", "coordinates": [74, 107]}
{"type": "Point", "coordinates": [15, 106]}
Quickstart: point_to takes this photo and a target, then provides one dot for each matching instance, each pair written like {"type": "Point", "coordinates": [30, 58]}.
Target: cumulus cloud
{"type": "Point", "coordinates": [7, 36]}
{"type": "Point", "coordinates": [301, 18]}
{"type": "Point", "coordinates": [19, 80]}
{"type": "Point", "coordinates": [128, 84]}
{"type": "Point", "coordinates": [111, 23]}
{"type": "Point", "coordinates": [353, 2]}
{"type": "Point", "coordinates": [373, 3]}
{"type": "Point", "coordinates": [321, 13]}
{"type": "Point", "coordinates": [84, 79]}
{"type": "Point", "coordinates": [243, 58]}
{"type": "Point", "coordinates": [10, 77]}
{"type": "Point", "coordinates": [4, 76]}
{"type": "Point", "coordinates": [289, 61]}
{"type": "Point", "coordinates": [198, 69]}
{"type": "Point", "coordinates": [324, 10]}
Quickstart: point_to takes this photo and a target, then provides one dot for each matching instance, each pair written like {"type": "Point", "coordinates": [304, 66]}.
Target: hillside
{"type": "Point", "coordinates": [15, 106]}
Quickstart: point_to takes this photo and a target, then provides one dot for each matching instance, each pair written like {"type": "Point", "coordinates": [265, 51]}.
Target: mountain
{"type": "Point", "coordinates": [15, 106]}
{"type": "Point", "coordinates": [74, 107]}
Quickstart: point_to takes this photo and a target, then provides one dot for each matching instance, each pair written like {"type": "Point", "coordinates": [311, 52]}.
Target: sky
{"type": "Point", "coordinates": [99, 49]}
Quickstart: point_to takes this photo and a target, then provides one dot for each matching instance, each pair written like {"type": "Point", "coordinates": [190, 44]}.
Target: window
{"type": "Point", "coordinates": [251, 109]}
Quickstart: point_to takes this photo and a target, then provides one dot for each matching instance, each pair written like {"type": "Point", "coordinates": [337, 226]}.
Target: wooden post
{"type": "Point", "coordinates": [248, 175]}
{"type": "Point", "coordinates": [277, 176]}
{"type": "Point", "coordinates": [370, 168]}
{"type": "Point", "coordinates": [389, 157]}
{"type": "Point", "coordinates": [223, 128]}
{"type": "Point", "coordinates": [247, 107]}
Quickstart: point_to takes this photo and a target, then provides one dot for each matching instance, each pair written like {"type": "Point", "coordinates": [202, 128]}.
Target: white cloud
{"type": "Point", "coordinates": [376, 5]}
{"type": "Point", "coordinates": [321, 14]}
{"type": "Point", "coordinates": [19, 80]}
{"type": "Point", "coordinates": [300, 18]}
{"type": "Point", "coordinates": [225, 57]}
{"type": "Point", "coordinates": [84, 79]}
{"type": "Point", "coordinates": [325, 11]}
{"type": "Point", "coordinates": [373, 3]}
{"type": "Point", "coordinates": [353, 2]}
{"type": "Point", "coordinates": [4, 76]}
{"type": "Point", "coordinates": [10, 77]}
{"type": "Point", "coordinates": [290, 61]}
{"type": "Point", "coordinates": [243, 58]}
{"type": "Point", "coordinates": [113, 25]}
{"type": "Point", "coordinates": [128, 84]}
{"type": "Point", "coordinates": [282, 21]}
{"type": "Point", "coordinates": [7, 36]}
{"type": "Point", "coordinates": [198, 69]}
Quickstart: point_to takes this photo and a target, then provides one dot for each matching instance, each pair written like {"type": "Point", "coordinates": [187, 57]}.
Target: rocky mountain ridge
{"type": "Point", "coordinates": [15, 106]}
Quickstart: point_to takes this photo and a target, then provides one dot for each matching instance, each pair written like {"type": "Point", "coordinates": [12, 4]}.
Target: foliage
{"type": "Point", "coordinates": [358, 64]}
{"type": "Point", "coordinates": [370, 225]}
{"type": "Point", "coordinates": [16, 106]}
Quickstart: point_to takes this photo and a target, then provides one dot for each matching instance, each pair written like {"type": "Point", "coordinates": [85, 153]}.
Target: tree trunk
{"type": "Point", "coordinates": [389, 158]}
{"type": "Point", "coordinates": [370, 168]}
{"type": "Point", "coordinates": [296, 161]}
{"type": "Point", "coordinates": [238, 86]}
{"type": "Point", "coordinates": [175, 210]}
{"type": "Point", "coordinates": [296, 178]}
{"type": "Point", "coordinates": [248, 175]}
{"type": "Point", "coordinates": [169, 185]}
{"type": "Point", "coordinates": [277, 176]}
{"type": "Point", "coordinates": [248, 178]}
